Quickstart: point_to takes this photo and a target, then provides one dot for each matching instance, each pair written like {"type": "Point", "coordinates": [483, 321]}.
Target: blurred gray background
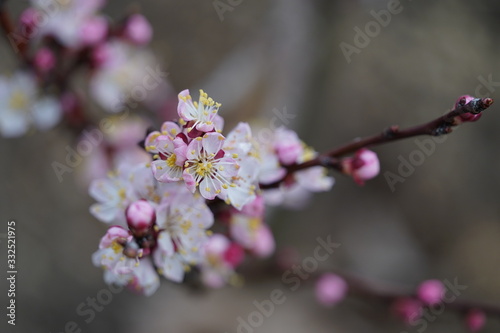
{"type": "Point", "coordinates": [442, 222]}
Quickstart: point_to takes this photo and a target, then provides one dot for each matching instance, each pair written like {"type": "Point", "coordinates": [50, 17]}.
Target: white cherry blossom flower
{"type": "Point", "coordinates": [20, 106]}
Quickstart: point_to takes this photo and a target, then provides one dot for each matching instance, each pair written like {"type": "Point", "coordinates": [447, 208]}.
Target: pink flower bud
{"type": "Point", "coordinates": [475, 320]}
{"type": "Point", "coordinates": [114, 233]}
{"type": "Point", "coordinates": [140, 215]}
{"type": "Point", "coordinates": [466, 117]}
{"type": "Point", "coordinates": [28, 20]}
{"type": "Point", "coordinates": [331, 289]}
{"type": "Point", "coordinates": [44, 60]}
{"type": "Point", "coordinates": [363, 166]}
{"type": "Point", "coordinates": [264, 242]}
{"type": "Point", "coordinates": [234, 255]}
{"type": "Point", "coordinates": [431, 292]}
{"type": "Point", "coordinates": [462, 100]}
{"type": "Point", "coordinates": [94, 30]}
{"type": "Point", "coordinates": [407, 309]}
{"type": "Point", "coordinates": [138, 30]}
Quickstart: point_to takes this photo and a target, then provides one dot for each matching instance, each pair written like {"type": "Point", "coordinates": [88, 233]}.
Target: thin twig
{"type": "Point", "coordinates": [440, 126]}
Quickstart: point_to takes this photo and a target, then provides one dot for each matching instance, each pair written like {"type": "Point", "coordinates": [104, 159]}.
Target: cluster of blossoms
{"type": "Point", "coordinates": [331, 289]}
{"type": "Point", "coordinates": [197, 206]}
{"type": "Point", "coordinates": [55, 38]}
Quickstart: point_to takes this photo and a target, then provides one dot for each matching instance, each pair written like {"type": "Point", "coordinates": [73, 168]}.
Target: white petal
{"type": "Point", "coordinates": [13, 124]}
{"type": "Point", "coordinates": [46, 113]}
{"type": "Point", "coordinates": [212, 142]}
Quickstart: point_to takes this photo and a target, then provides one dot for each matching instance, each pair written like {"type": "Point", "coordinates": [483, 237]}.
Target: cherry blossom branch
{"type": "Point", "coordinates": [440, 126]}
{"type": "Point", "coordinates": [363, 287]}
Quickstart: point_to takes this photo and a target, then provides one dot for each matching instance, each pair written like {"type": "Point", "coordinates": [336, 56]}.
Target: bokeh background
{"type": "Point", "coordinates": [442, 222]}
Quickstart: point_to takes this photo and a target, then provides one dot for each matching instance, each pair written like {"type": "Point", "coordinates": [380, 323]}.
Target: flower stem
{"type": "Point", "coordinates": [440, 126]}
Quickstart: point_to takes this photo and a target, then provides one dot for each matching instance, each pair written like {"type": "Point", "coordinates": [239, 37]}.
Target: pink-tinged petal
{"type": "Point", "coordinates": [254, 208]}
{"type": "Point", "coordinates": [240, 134]}
{"type": "Point", "coordinates": [102, 190]}
{"type": "Point", "coordinates": [162, 215]}
{"type": "Point", "coordinates": [213, 279]}
{"type": "Point", "coordinates": [227, 167]}
{"type": "Point", "coordinates": [213, 142]}
{"type": "Point", "coordinates": [194, 149]}
{"type": "Point", "coordinates": [264, 244]}
{"type": "Point", "coordinates": [150, 142]}
{"type": "Point", "coordinates": [182, 107]}
{"type": "Point", "coordinates": [173, 270]}
{"type": "Point", "coordinates": [218, 122]}
{"type": "Point", "coordinates": [315, 179]}
{"type": "Point", "coordinates": [189, 180]}
{"type": "Point", "coordinates": [171, 266]}
{"type": "Point", "coordinates": [164, 144]}
{"type": "Point", "coordinates": [239, 196]}
{"type": "Point", "coordinates": [165, 244]}
{"type": "Point", "coordinates": [113, 233]}
{"type": "Point", "coordinates": [145, 279]}
{"type": "Point", "coordinates": [289, 153]}
{"type": "Point", "coordinates": [216, 245]}
{"type": "Point", "coordinates": [204, 127]}
{"type": "Point", "coordinates": [180, 151]}
{"type": "Point", "coordinates": [106, 213]}
{"type": "Point", "coordinates": [171, 129]}
{"type": "Point", "coordinates": [209, 187]}
{"type": "Point", "coordinates": [163, 173]}
{"type": "Point", "coordinates": [241, 229]}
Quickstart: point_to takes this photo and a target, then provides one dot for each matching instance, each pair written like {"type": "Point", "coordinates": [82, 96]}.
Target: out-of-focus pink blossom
{"type": "Point", "coordinates": [234, 255]}
{"type": "Point", "coordinates": [138, 30]}
{"type": "Point", "coordinates": [68, 23]}
{"type": "Point", "coordinates": [264, 244]}
{"type": "Point", "coordinates": [288, 146]}
{"type": "Point", "coordinates": [331, 289]}
{"type": "Point", "coordinates": [44, 60]}
{"type": "Point", "coordinates": [431, 292]}
{"type": "Point", "coordinates": [407, 309]}
{"type": "Point", "coordinates": [94, 30]}
{"type": "Point", "coordinates": [475, 320]}
{"type": "Point", "coordinates": [215, 269]}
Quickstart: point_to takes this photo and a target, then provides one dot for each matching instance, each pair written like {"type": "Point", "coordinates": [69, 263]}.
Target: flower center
{"type": "Point", "coordinates": [203, 168]}
{"type": "Point", "coordinates": [171, 160]}
{"type": "Point", "coordinates": [18, 101]}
